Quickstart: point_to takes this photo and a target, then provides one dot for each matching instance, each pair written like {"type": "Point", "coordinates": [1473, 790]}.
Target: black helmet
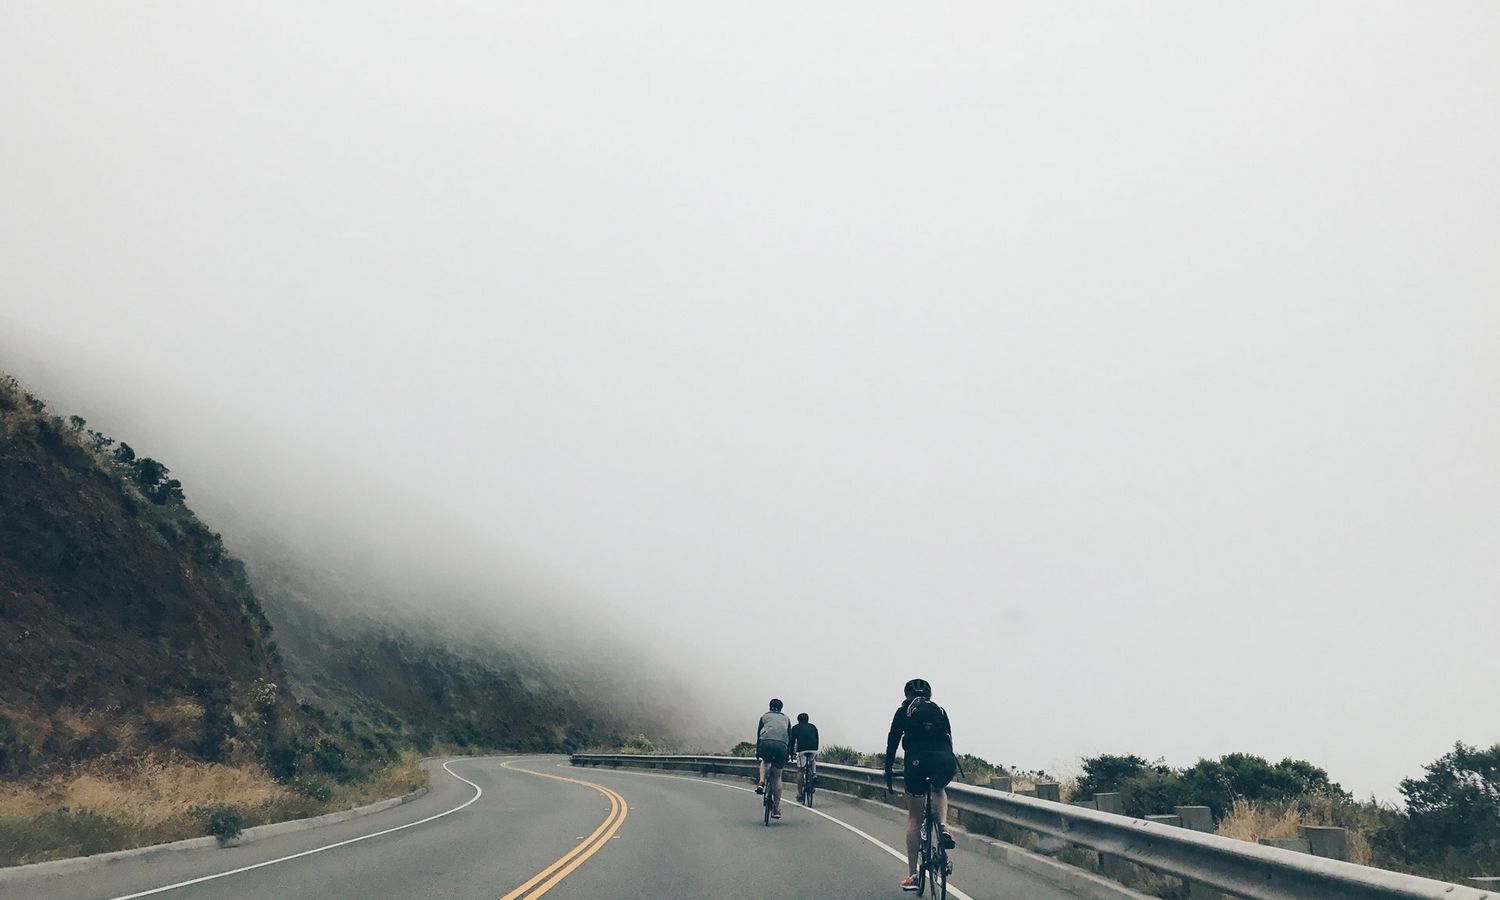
{"type": "Point", "coordinates": [801, 717]}
{"type": "Point", "coordinates": [775, 705]}
{"type": "Point", "coordinates": [918, 687]}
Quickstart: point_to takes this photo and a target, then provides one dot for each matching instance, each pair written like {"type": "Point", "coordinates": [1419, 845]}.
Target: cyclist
{"type": "Point", "coordinates": [921, 727]}
{"type": "Point", "coordinates": [804, 747]}
{"type": "Point", "coordinates": [772, 738]}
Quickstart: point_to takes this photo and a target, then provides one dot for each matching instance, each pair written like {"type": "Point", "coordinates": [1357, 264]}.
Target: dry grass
{"type": "Point", "coordinates": [119, 803]}
{"type": "Point", "coordinates": [142, 793]}
{"type": "Point", "coordinates": [1247, 821]}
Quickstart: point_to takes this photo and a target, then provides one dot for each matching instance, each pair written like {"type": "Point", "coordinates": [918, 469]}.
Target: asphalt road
{"type": "Point", "coordinates": [522, 827]}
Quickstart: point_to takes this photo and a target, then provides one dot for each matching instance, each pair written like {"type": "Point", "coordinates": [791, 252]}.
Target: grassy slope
{"type": "Point", "coordinates": [144, 686]}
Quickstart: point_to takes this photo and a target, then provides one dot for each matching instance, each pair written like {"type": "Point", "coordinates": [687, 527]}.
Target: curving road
{"type": "Point", "coordinates": [508, 828]}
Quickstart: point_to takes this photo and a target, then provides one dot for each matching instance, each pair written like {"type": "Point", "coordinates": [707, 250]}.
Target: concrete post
{"type": "Point", "coordinates": [1049, 790]}
{"type": "Point", "coordinates": [1298, 844]}
{"type": "Point", "coordinates": [1196, 818]}
{"type": "Point", "coordinates": [1111, 802]}
{"type": "Point", "coordinates": [1174, 821]}
{"type": "Point", "coordinates": [1112, 866]}
{"type": "Point", "coordinates": [1000, 783]}
{"type": "Point", "coordinates": [1332, 843]}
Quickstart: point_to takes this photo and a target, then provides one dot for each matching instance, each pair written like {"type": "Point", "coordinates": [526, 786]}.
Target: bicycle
{"type": "Point", "coordinates": [809, 781]}
{"type": "Point", "coordinates": [933, 865]}
{"type": "Point", "coordinates": [767, 800]}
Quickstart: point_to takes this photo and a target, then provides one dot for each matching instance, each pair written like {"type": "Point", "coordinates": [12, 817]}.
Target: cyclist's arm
{"type": "Point", "coordinates": [893, 740]}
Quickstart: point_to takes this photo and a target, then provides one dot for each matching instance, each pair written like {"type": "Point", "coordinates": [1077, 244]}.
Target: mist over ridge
{"type": "Point", "coordinates": [339, 555]}
{"type": "Point", "coordinates": [1130, 376]}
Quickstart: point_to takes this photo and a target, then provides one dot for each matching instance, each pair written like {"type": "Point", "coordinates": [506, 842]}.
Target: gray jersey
{"type": "Point", "coordinates": [774, 726]}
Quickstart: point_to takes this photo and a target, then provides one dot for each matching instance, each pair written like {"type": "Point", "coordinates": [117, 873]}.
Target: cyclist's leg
{"type": "Point", "coordinates": [915, 804]}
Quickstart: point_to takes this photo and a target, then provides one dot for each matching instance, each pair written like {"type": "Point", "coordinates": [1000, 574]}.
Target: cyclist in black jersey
{"type": "Point", "coordinates": [921, 727]}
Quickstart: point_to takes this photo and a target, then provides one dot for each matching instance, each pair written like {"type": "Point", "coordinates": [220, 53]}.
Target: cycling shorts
{"type": "Point", "coordinates": [773, 752]}
{"type": "Point", "coordinates": [929, 768]}
{"type": "Point", "coordinates": [806, 756]}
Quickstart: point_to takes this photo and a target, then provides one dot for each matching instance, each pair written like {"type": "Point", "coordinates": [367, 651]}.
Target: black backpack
{"type": "Point", "coordinates": [926, 722]}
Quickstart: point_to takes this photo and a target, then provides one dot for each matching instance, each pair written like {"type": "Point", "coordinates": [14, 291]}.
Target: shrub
{"type": "Point", "coordinates": [15, 753]}
{"type": "Point", "coordinates": [743, 748]}
{"type": "Point", "coordinates": [314, 787]}
{"type": "Point", "coordinates": [218, 727]}
{"type": "Point", "coordinates": [224, 823]}
{"type": "Point", "coordinates": [639, 744]}
{"type": "Point", "coordinates": [838, 754]}
{"type": "Point", "coordinates": [1107, 773]}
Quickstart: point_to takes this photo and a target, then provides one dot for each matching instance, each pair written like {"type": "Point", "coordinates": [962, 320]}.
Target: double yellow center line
{"type": "Point", "coordinates": [547, 879]}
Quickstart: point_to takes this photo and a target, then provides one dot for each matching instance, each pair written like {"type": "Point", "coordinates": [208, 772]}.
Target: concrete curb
{"type": "Point", "coordinates": [1072, 879]}
{"type": "Point", "coordinates": [249, 836]}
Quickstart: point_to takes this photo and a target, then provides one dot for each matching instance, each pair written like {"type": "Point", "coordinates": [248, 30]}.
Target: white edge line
{"type": "Point", "coordinates": [478, 792]}
{"type": "Point", "coordinates": [817, 812]}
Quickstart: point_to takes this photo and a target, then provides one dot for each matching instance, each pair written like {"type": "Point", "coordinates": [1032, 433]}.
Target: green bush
{"type": "Point", "coordinates": [314, 787]}
{"type": "Point", "coordinates": [743, 748]}
{"type": "Point", "coordinates": [1107, 773]}
{"type": "Point", "coordinates": [224, 823]}
{"type": "Point", "coordinates": [839, 755]}
{"type": "Point", "coordinates": [15, 753]}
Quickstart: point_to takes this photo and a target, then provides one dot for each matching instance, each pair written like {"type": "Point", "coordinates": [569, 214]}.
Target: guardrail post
{"type": "Point", "coordinates": [1049, 790]}
{"type": "Point", "coordinates": [1111, 803]}
{"type": "Point", "coordinates": [1196, 818]}
{"type": "Point", "coordinates": [1298, 844]}
{"type": "Point", "coordinates": [1000, 783]}
{"type": "Point", "coordinates": [1332, 843]}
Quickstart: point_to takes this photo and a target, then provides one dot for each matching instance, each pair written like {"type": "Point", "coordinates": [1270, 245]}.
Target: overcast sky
{"type": "Point", "coordinates": [1129, 371]}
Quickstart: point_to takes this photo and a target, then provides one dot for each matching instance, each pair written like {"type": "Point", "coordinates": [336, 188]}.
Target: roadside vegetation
{"type": "Point", "coordinates": [115, 804]}
{"type": "Point", "coordinates": [156, 703]}
{"type": "Point", "coordinates": [1448, 827]}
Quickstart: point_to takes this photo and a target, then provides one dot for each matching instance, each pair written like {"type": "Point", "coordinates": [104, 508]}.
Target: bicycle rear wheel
{"type": "Point", "coordinates": [931, 872]}
{"type": "Point", "coordinates": [767, 805]}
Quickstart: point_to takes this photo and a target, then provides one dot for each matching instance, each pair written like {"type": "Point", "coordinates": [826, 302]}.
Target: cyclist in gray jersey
{"type": "Point", "coordinates": [773, 736]}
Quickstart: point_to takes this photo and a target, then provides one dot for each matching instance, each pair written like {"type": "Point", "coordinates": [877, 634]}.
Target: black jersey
{"type": "Point", "coordinates": [919, 726]}
{"type": "Point", "coordinates": [804, 737]}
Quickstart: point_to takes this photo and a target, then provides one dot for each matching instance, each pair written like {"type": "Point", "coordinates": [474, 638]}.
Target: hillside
{"type": "Point", "coordinates": [127, 626]}
{"type": "Point", "coordinates": [145, 685]}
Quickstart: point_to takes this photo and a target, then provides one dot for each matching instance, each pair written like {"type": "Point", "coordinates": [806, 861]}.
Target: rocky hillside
{"type": "Point", "coordinates": [126, 625]}
{"type": "Point", "coordinates": [130, 629]}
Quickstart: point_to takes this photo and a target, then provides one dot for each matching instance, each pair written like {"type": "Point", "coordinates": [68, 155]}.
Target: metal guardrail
{"type": "Point", "coordinates": [1246, 870]}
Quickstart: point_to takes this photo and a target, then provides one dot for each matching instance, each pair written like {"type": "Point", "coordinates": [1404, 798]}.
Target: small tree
{"type": "Point", "coordinates": [1107, 773]}
{"type": "Point", "coordinates": [1453, 814]}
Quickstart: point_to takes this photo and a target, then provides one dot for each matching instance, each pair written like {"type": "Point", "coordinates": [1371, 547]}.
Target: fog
{"type": "Point", "coordinates": [1129, 373]}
